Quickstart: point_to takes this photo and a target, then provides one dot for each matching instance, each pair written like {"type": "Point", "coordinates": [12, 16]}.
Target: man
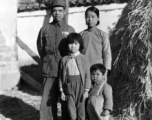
{"type": "Point", "coordinates": [50, 44]}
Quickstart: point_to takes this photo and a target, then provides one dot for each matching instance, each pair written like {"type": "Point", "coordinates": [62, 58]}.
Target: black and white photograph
{"type": "Point", "coordinates": [75, 59]}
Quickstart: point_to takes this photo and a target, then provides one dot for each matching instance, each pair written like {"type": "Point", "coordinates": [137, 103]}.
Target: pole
{"type": "Point", "coordinates": [67, 10]}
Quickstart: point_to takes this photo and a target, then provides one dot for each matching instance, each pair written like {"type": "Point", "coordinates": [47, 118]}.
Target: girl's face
{"type": "Point", "coordinates": [91, 19]}
{"type": "Point", "coordinates": [96, 76]}
{"type": "Point", "coordinates": [74, 47]}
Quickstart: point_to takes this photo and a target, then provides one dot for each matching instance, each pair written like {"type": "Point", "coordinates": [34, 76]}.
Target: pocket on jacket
{"type": "Point", "coordinates": [45, 68]}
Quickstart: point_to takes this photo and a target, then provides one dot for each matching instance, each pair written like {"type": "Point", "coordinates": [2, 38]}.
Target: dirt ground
{"type": "Point", "coordinates": [21, 103]}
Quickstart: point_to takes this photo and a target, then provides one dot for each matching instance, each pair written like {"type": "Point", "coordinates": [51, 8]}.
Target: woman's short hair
{"type": "Point", "coordinates": [72, 37]}
{"type": "Point", "coordinates": [99, 67]}
{"type": "Point", "coordinates": [95, 10]}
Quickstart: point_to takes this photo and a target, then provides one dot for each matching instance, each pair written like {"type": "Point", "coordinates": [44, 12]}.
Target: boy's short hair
{"type": "Point", "coordinates": [75, 37]}
{"type": "Point", "coordinates": [99, 67]}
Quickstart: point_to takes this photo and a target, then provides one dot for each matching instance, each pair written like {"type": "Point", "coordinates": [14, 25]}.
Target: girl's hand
{"type": "Point", "coordinates": [62, 96]}
{"type": "Point", "coordinates": [85, 95]}
{"type": "Point", "coordinates": [105, 113]}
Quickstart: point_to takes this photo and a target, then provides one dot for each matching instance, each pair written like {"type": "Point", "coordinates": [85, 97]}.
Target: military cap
{"type": "Point", "coordinates": [57, 3]}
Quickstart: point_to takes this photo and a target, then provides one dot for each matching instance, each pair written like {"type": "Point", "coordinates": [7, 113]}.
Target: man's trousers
{"type": "Point", "coordinates": [48, 107]}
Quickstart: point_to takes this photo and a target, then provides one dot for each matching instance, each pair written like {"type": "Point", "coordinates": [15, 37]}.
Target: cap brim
{"type": "Point", "coordinates": [58, 6]}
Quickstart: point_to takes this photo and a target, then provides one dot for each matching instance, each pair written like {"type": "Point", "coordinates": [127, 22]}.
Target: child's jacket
{"type": "Point", "coordinates": [83, 66]}
{"type": "Point", "coordinates": [106, 93]}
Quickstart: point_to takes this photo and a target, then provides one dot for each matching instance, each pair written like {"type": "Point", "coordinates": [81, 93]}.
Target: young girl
{"type": "Point", "coordinates": [100, 101]}
{"type": "Point", "coordinates": [74, 78]}
{"type": "Point", "coordinates": [96, 42]}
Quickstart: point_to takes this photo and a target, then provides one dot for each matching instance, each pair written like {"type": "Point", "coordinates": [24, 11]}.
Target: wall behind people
{"type": "Point", "coordinates": [29, 24]}
{"type": "Point", "coordinates": [9, 71]}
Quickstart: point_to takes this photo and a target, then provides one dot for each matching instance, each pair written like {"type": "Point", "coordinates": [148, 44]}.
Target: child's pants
{"type": "Point", "coordinates": [95, 108]}
{"type": "Point", "coordinates": [73, 90]}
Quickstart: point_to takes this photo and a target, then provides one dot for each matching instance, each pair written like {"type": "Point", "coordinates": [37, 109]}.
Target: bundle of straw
{"type": "Point", "coordinates": [131, 43]}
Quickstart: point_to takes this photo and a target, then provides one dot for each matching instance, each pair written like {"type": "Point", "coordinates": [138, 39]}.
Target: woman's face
{"type": "Point", "coordinates": [91, 19]}
{"type": "Point", "coordinates": [74, 47]}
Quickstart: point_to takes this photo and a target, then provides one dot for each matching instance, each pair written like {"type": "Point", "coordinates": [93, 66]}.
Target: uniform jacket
{"type": "Point", "coordinates": [51, 46]}
{"type": "Point", "coordinates": [83, 66]}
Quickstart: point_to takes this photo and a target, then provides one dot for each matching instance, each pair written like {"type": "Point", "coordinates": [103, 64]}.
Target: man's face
{"type": "Point", "coordinates": [58, 13]}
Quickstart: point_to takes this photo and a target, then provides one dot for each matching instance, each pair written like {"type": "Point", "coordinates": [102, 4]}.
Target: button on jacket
{"type": "Point", "coordinates": [51, 46]}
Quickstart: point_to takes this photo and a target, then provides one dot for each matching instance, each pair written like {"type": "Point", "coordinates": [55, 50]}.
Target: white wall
{"type": "Point", "coordinates": [109, 14]}
{"type": "Point", "coordinates": [29, 24]}
{"type": "Point", "coordinates": [9, 71]}
{"type": "Point", "coordinates": [8, 13]}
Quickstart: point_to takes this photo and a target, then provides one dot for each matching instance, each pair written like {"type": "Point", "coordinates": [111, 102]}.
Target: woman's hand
{"type": "Point", "coordinates": [105, 75]}
{"type": "Point", "coordinates": [85, 95]}
{"type": "Point", "coordinates": [62, 96]}
{"type": "Point", "coordinates": [105, 113]}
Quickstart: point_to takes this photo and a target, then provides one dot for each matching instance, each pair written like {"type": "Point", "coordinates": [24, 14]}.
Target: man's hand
{"type": "Point", "coordinates": [62, 96]}
{"type": "Point", "coordinates": [105, 113]}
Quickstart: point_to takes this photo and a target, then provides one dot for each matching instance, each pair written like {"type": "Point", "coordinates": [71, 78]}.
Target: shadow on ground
{"type": "Point", "coordinates": [35, 72]}
{"type": "Point", "coordinates": [16, 109]}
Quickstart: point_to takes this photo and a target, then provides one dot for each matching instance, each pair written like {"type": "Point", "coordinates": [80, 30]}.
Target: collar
{"type": "Point", "coordinates": [92, 29]}
{"type": "Point", "coordinates": [75, 54]}
{"type": "Point", "coordinates": [60, 23]}
{"type": "Point", "coordinates": [99, 83]}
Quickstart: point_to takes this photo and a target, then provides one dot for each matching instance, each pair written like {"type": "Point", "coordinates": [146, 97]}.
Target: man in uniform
{"type": "Point", "coordinates": [50, 45]}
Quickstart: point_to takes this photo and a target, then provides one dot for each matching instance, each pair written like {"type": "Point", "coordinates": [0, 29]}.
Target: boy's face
{"type": "Point", "coordinates": [74, 47]}
{"type": "Point", "coordinates": [96, 76]}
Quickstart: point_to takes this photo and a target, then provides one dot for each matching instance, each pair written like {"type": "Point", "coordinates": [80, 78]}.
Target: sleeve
{"type": "Point", "coordinates": [87, 85]}
{"type": "Point", "coordinates": [106, 52]}
{"type": "Point", "coordinates": [40, 44]}
{"type": "Point", "coordinates": [60, 74]}
{"type": "Point", "coordinates": [81, 33]}
{"type": "Point", "coordinates": [108, 98]}
{"type": "Point", "coordinates": [71, 30]}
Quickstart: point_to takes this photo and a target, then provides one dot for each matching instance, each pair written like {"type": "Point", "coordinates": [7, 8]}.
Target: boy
{"type": "Point", "coordinates": [100, 101]}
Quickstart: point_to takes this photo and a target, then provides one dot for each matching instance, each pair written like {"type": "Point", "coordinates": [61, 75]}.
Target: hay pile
{"type": "Point", "coordinates": [131, 43]}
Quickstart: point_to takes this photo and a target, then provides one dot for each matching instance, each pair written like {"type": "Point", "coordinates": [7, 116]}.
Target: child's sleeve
{"type": "Point", "coordinates": [108, 98]}
{"type": "Point", "coordinates": [60, 75]}
{"type": "Point", "coordinates": [87, 84]}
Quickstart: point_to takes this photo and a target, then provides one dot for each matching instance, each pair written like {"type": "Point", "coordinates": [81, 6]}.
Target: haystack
{"type": "Point", "coordinates": [131, 43]}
